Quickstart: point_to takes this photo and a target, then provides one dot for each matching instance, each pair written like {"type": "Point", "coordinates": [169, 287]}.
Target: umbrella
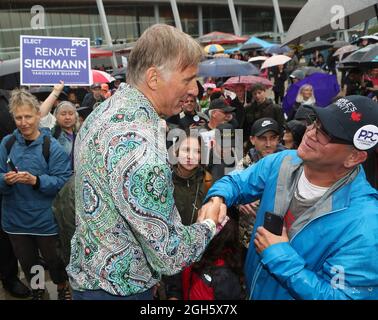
{"type": "Point", "coordinates": [41, 93]}
{"type": "Point", "coordinates": [9, 66]}
{"type": "Point", "coordinates": [264, 44]}
{"type": "Point", "coordinates": [247, 81]}
{"type": "Point", "coordinates": [339, 44]}
{"type": "Point", "coordinates": [258, 58]}
{"type": "Point", "coordinates": [355, 57]}
{"type": "Point", "coordinates": [277, 49]}
{"type": "Point", "coordinates": [257, 44]}
{"type": "Point", "coordinates": [316, 45]}
{"type": "Point", "coordinates": [250, 46]}
{"type": "Point", "coordinates": [221, 55]}
{"type": "Point", "coordinates": [317, 18]}
{"type": "Point", "coordinates": [214, 48]}
{"type": "Point", "coordinates": [275, 61]}
{"type": "Point", "coordinates": [342, 67]}
{"type": "Point", "coordinates": [325, 88]}
{"type": "Point", "coordinates": [310, 70]}
{"type": "Point", "coordinates": [232, 50]}
{"type": "Point", "coordinates": [225, 67]}
{"type": "Point", "coordinates": [217, 37]}
{"type": "Point", "coordinates": [346, 49]}
{"type": "Point", "coordinates": [370, 58]}
{"type": "Point", "coordinates": [331, 39]}
{"type": "Point", "coordinates": [372, 38]}
{"type": "Point", "coordinates": [101, 76]}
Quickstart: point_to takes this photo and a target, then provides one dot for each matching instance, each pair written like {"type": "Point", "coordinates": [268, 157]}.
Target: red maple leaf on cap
{"type": "Point", "coordinates": [356, 116]}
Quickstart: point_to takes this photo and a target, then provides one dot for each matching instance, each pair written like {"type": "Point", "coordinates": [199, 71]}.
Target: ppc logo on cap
{"type": "Point", "coordinates": [366, 137]}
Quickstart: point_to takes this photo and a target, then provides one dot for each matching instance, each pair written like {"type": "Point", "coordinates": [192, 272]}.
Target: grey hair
{"type": "Point", "coordinates": [69, 104]}
{"type": "Point", "coordinates": [21, 97]}
{"type": "Point", "coordinates": [164, 47]}
{"type": "Point", "coordinates": [299, 97]}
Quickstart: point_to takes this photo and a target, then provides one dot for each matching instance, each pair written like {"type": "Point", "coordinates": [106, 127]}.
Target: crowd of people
{"type": "Point", "coordinates": [157, 185]}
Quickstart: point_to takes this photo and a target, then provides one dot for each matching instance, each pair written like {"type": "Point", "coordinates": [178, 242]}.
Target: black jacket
{"type": "Point", "coordinates": [188, 194]}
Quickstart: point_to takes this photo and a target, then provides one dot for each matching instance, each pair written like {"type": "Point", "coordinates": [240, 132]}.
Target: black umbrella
{"type": "Point", "coordinates": [41, 93]}
{"type": "Point", "coordinates": [343, 67]}
{"type": "Point", "coordinates": [370, 58]}
{"type": "Point", "coordinates": [316, 45]}
{"type": "Point", "coordinates": [310, 70]}
{"type": "Point", "coordinates": [250, 46]}
{"type": "Point", "coordinates": [339, 44]}
{"type": "Point", "coordinates": [355, 57]}
{"type": "Point", "coordinates": [331, 39]}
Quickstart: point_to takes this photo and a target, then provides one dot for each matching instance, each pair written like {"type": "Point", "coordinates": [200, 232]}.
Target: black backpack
{"type": "Point", "coordinates": [45, 147]}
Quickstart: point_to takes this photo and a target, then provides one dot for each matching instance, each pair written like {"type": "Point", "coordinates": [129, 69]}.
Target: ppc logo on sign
{"type": "Point", "coordinates": [79, 43]}
{"type": "Point", "coordinates": [366, 137]}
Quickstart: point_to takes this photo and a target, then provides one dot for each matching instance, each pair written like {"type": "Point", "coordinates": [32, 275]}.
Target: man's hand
{"type": "Point", "coordinates": [265, 239]}
{"type": "Point", "coordinates": [215, 209]}
{"type": "Point", "coordinates": [10, 177]}
{"type": "Point", "coordinates": [26, 178]}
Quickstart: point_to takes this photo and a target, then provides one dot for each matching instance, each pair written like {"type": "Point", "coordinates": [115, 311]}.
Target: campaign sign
{"type": "Point", "coordinates": [47, 60]}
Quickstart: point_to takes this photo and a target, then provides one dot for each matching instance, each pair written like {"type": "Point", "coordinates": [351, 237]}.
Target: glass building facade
{"type": "Point", "coordinates": [127, 20]}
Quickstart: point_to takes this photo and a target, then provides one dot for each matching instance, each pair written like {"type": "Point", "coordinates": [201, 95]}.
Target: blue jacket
{"type": "Point", "coordinates": [332, 256]}
{"type": "Point", "coordinates": [24, 209]}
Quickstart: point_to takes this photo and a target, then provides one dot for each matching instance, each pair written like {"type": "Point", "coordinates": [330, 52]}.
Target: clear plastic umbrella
{"type": "Point", "coordinates": [275, 61]}
{"type": "Point", "coordinates": [225, 67]}
{"type": "Point", "coordinates": [247, 81]}
{"type": "Point", "coordinates": [317, 18]}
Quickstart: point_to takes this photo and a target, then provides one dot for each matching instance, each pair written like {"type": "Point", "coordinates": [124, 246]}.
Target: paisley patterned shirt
{"type": "Point", "coordinates": [128, 230]}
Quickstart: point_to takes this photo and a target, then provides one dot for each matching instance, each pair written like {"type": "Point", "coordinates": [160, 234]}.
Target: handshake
{"type": "Point", "coordinates": [216, 210]}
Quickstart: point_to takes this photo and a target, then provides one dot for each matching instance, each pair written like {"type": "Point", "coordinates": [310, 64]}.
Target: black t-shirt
{"type": "Point", "coordinates": [28, 142]}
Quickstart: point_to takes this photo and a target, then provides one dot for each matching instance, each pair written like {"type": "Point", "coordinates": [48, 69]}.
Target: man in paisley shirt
{"type": "Point", "coordinates": [129, 231]}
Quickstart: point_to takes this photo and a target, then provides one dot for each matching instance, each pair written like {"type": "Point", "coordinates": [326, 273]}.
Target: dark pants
{"type": "Point", "coordinates": [26, 250]}
{"type": "Point", "coordinates": [8, 261]}
{"type": "Point", "coordinates": [278, 97]}
{"type": "Point", "coordinates": [103, 295]}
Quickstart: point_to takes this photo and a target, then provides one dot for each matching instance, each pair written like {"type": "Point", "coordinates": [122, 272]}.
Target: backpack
{"type": "Point", "coordinates": [45, 147]}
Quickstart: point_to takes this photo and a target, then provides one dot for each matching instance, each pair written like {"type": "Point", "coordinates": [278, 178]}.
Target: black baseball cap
{"type": "Point", "coordinates": [353, 119]}
{"type": "Point", "coordinates": [263, 125]}
{"type": "Point", "coordinates": [84, 112]}
{"type": "Point", "coordinates": [96, 85]}
{"type": "Point", "coordinates": [297, 129]}
{"type": "Point", "coordinates": [304, 112]}
{"type": "Point", "coordinates": [221, 105]}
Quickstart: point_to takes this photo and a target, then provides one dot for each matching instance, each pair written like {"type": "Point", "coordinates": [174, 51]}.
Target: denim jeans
{"type": "Point", "coordinates": [103, 295]}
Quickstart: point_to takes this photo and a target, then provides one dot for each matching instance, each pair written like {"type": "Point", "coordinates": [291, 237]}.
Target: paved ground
{"type": "Point", "coordinates": [51, 292]}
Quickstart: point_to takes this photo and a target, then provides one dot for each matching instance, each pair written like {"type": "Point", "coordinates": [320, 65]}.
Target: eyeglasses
{"type": "Point", "coordinates": [321, 136]}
